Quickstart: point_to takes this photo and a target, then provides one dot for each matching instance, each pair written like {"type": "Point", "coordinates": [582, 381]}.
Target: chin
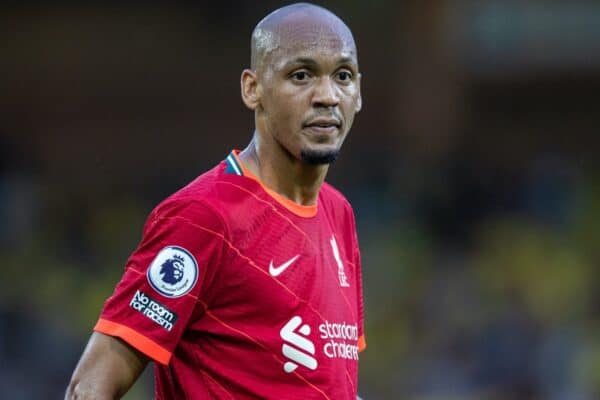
{"type": "Point", "coordinates": [319, 156]}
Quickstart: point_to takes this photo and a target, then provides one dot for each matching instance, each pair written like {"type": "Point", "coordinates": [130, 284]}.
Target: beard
{"type": "Point", "coordinates": [319, 157]}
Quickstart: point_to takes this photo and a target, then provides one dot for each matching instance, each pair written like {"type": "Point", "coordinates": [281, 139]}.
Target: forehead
{"type": "Point", "coordinates": [306, 38]}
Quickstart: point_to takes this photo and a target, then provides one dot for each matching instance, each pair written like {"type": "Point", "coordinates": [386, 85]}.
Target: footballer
{"type": "Point", "coordinates": [247, 282]}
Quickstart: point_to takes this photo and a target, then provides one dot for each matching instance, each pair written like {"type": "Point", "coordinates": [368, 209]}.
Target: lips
{"type": "Point", "coordinates": [325, 123]}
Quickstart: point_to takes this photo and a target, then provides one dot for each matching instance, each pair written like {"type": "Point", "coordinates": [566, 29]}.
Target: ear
{"type": "Point", "coordinates": [250, 89]}
{"type": "Point", "coordinates": [359, 99]}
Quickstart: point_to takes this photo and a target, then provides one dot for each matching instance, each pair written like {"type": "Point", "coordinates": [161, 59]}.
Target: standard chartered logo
{"type": "Point", "coordinates": [302, 345]}
{"type": "Point", "coordinates": [340, 340]}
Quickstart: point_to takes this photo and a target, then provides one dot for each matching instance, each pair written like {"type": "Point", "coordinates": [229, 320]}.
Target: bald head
{"type": "Point", "coordinates": [295, 26]}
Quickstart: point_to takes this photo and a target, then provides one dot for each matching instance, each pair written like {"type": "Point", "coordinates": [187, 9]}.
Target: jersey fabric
{"type": "Point", "coordinates": [239, 293]}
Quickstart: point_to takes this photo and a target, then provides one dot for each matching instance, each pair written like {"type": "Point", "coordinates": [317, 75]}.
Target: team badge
{"type": "Point", "coordinates": [174, 272]}
{"type": "Point", "coordinates": [336, 254]}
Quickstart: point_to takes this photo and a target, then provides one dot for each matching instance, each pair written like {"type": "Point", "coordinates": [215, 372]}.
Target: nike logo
{"type": "Point", "coordinates": [276, 271]}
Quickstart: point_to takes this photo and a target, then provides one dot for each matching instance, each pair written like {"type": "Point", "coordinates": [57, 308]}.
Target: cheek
{"type": "Point", "coordinates": [284, 109]}
{"type": "Point", "coordinates": [350, 106]}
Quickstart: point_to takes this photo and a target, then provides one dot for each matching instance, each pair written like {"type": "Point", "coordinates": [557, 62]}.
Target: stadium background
{"type": "Point", "coordinates": [473, 170]}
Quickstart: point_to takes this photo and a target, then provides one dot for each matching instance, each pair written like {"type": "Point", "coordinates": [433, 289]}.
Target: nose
{"type": "Point", "coordinates": [325, 94]}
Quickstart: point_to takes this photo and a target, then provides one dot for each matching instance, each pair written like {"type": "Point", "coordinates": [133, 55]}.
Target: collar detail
{"type": "Point", "coordinates": [235, 166]}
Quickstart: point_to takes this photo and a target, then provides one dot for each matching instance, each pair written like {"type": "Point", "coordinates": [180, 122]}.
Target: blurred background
{"type": "Point", "coordinates": [473, 171]}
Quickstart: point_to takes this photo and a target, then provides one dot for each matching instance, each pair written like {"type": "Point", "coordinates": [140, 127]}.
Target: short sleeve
{"type": "Point", "coordinates": [165, 278]}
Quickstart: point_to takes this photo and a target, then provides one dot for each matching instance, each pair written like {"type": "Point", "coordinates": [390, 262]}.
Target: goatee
{"type": "Point", "coordinates": [316, 157]}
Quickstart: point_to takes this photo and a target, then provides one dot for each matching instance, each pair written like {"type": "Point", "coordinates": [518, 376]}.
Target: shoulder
{"type": "Point", "coordinates": [216, 198]}
{"type": "Point", "coordinates": [194, 203]}
{"type": "Point", "coordinates": [336, 206]}
{"type": "Point", "coordinates": [331, 197]}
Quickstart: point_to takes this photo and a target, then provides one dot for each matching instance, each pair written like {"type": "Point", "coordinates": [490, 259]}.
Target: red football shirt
{"type": "Point", "coordinates": [239, 293]}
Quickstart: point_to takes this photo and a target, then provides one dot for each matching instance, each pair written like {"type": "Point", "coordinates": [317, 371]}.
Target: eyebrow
{"type": "Point", "coordinates": [300, 60]}
{"type": "Point", "coordinates": [346, 60]}
{"type": "Point", "coordinates": [313, 63]}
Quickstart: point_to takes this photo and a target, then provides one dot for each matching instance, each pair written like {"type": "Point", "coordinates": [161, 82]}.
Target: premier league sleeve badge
{"type": "Point", "coordinates": [173, 272]}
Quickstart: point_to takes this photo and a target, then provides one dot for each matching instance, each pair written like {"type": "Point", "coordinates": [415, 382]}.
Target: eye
{"type": "Point", "coordinates": [300, 76]}
{"type": "Point", "coordinates": [344, 76]}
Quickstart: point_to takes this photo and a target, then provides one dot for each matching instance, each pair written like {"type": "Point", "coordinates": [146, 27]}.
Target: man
{"type": "Point", "coordinates": [247, 282]}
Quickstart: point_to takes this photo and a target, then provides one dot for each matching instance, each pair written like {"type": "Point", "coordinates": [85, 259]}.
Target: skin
{"type": "Point", "coordinates": [303, 77]}
{"type": "Point", "coordinates": [106, 370]}
{"type": "Point", "coordinates": [304, 67]}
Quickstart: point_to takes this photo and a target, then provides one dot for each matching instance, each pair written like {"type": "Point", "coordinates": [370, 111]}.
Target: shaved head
{"type": "Point", "coordinates": [300, 24]}
{"type": "Point", "coordinates": [303, 84]}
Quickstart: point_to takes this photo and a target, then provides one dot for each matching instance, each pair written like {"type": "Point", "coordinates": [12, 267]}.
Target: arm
{"type": "Point", "coordinates": [106, 370]}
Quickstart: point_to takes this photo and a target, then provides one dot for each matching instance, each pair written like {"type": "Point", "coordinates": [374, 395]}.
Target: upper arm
{"type": "Point", "coordinates": [106, 370]}
{"type": "Point", "coordinates": [164, 279]}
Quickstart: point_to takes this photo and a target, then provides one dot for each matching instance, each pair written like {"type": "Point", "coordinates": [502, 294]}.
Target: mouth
{"type": "Point", "coordinates": [323, 126]}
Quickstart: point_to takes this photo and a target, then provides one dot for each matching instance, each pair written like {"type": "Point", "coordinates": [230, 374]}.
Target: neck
{"type": "Point", "coordinates": [281, 172]}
